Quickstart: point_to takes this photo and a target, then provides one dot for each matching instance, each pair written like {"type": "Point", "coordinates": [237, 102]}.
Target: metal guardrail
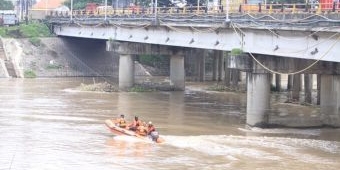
{"type": "Point", "coordinates": [233, 8]}
{"type": "Point", "coordinates": [275, 16]}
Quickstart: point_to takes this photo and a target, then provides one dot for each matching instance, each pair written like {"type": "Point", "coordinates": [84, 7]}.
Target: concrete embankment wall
{"type": "Point", "coordinates": [62, 57]}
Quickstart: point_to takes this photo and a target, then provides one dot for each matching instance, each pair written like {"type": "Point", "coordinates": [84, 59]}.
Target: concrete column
{"type": "Point", "coordinates": [318, 87]}
{"type": "Point", "coordinates": [290, 82]}
{"type": "Point", "coordinates": [214, 66]}
{"type": "Point", "coordinates": [126, 71]}
{"type": "Point", "coordinates": [308, 82]}
{"type": "Point", "coordinates": [271, 77]}
{"type": "Point", "coordinates": [227, 72]}
{"type": "Point", "coordinates": [258, 99]}
{"type": "Point", "coordinates": [277, 82]}
{"type": "Point", "coordinates": [220, 66]}
{"type": "Point", "coordinates": [296, 87]}
{"type": "Point", "coordinates": [197, 68]}
{"type": "Point", "coordinates": [235, 76]}
{"type": "Point", "coordinates": [177, 73]}
{"type": "Point", "coordinates": [330, 99]}
{"type": "Point", "coordinates": [202, 64]}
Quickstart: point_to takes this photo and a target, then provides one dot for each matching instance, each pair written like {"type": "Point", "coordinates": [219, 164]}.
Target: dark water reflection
{"type": "Point", "coordinates": [46, 124]}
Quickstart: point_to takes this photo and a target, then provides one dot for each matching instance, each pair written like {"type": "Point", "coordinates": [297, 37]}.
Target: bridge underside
{"type": "Point", "coordinates": [289, 51]}
{"type": "Point", "coordinates": [303, 44]}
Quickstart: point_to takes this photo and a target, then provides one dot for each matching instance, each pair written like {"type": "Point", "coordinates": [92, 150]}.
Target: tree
{"type": "Point", "coordinates": [6, 5]}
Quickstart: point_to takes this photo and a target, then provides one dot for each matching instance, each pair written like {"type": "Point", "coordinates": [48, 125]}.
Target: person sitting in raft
{"type": "Point", "coordinates": [120, 122]}
{"type": "Point", "coordinates": [152, 133]}
{"type": "Point", "coordinates": [134, 124]}
{"type": "Point", "coordinates": [142, 130]}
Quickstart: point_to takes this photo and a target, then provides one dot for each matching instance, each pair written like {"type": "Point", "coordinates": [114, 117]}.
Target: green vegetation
{"type": "Point", "coordinates": [29, 74]}
{"type": "Point", "coordinates": [138, 88]}
{"type": "Point", "coordinates": [6, 5]}
{"type": "Point", "coordinates": [33, 29]}
{"type": "Point", "coordinates": [236, 51]}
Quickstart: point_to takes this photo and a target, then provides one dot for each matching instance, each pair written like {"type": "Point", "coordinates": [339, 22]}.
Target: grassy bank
{"type": "Point", "coordinates": [31, 30]}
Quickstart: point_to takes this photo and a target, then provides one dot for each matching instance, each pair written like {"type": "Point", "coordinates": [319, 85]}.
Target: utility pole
{"type": "Point", "coordinates": [26, 15]}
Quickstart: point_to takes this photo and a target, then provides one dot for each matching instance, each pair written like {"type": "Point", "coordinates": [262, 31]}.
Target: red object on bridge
{"type": "Point", "coordinates": [328, 4]}
{"type": "Point", "coordinates": [91, 8]}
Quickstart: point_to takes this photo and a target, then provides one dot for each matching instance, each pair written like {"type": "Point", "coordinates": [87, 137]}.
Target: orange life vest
{"type": "Point", "coordinates": [122, 123]}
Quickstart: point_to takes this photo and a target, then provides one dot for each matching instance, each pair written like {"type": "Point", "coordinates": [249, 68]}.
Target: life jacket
{"type": "Point", "coordinates": [151, 129]}
{"type": "Point", "coordinates": [141, 131]}
{"type": "Point", "coordinates": [122, 123]}
{"type": "Point", "coordinates": [137, 123]}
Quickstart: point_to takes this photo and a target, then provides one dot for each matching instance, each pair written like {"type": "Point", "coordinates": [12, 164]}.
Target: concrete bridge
{"type": "Point", "coordinates": [292, 44]}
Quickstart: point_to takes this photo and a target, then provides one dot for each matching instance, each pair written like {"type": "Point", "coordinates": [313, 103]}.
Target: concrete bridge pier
{"type": "Point", "coordinates": [278, 82]}
{"type": "Point", "coordinates": [177, 72]}
{"type": "Point", "coordinates": [330, 100]}
{"type": "Point", "coordinates": [217, 66]}
{"type": "Point", "coordinates": [201, 59]}
{"type": "Point", "coordinates": [199, 64]}
{"type": "Point", "coordinates": [308, 83]}
{"type": "Point", "coordinates": [127, 50]}
{"type": "Point", "coordinates": [296, 87]}
{"type": "Point", "coordinates": [220, 66]}
{"type": "Point", "coordinates": [126, 71]}
{"type": "Point", "coordinates": [258, 99]}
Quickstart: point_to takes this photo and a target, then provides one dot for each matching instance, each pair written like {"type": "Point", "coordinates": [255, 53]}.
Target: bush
{"type": "Point", "coordinates": [30, 30]}
{"type": "Point", "coordinates": [236, 51]}
{"type": "Point", "coordinates": [34, 30]}
{"type": "Point", "coordinates": [29, 74]}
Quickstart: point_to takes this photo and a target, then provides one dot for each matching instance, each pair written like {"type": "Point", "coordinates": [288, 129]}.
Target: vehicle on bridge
{"type": "Point", "coordinates": [8, 18]}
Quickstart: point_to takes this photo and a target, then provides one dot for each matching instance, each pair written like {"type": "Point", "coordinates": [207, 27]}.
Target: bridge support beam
{"type": "Point", "coordinates": [177, 72]}
{"type": "Point", "coordinates": [126, 71]}
{"type": "Point", "coordinates": [258, 99]}
{"type": "Point", "coordinates": [330, 99]}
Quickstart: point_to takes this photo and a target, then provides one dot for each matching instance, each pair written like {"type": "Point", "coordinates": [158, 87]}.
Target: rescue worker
{"type": "Point", "coordinates": [142, 129]}
{"type": "Point", "coordinates": [134, 124]}
{"type": "Point", "coordinates": [152, 133]}
{"type": "Point", "coordinates": [120, 122]}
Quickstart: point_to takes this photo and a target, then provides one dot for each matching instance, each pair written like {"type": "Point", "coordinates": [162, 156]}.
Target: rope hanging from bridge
{"type": "Point", "coordinates": [291, 73]}
{"type": "Point", "coordinates": [294, 39]}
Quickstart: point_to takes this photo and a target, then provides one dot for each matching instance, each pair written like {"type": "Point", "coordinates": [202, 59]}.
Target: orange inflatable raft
{"type": "Point", "coordinates": [116, 130]}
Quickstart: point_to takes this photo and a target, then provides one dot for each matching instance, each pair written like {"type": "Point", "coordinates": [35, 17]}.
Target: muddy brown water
{"type": "Point", "coordinates": [46, 124]}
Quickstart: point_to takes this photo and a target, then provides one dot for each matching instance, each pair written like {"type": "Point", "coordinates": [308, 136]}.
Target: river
{"type": "Point", "coordinates": [47, 124]}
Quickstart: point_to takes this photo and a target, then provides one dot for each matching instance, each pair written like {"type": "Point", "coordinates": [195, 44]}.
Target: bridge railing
{"type": "Point", "coordinates": [216, 10]}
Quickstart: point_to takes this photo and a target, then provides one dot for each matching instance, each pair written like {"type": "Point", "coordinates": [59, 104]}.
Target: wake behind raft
{"type": "Point", "coordinates": [116, 130]}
